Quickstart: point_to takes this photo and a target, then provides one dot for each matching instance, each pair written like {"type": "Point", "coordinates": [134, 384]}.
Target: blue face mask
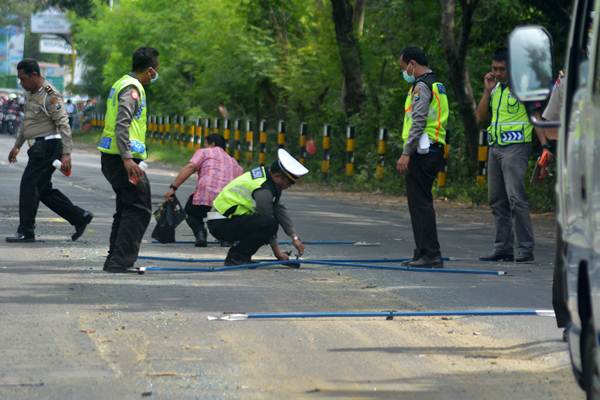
{"type": "Point", "coordinates": [408, 77]}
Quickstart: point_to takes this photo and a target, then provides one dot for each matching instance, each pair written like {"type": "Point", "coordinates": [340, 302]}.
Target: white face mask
{"type": "Point", "coordinates": [408, 77]}
{"type": "Point", "coordinates": [155, 77]}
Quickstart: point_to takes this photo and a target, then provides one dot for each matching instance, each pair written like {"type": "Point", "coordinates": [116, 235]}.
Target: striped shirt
{"type": "Point", "coordinates": [215, 169]}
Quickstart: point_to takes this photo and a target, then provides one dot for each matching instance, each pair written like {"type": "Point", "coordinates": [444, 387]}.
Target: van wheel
{"type": "Point", "coordinates": [591, 372]}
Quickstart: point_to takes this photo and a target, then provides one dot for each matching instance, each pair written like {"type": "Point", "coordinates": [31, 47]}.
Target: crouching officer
{"type": "Point", "coordinates": [123, 147]}
{"type": "Point", "coordinates": [248, 210]}
{"type": "Point", "coordinates": [46, 123]}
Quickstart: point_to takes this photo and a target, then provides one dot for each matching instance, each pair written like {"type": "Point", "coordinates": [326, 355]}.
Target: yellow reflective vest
{"type": "Point", "coordinates": [510, 122]}
{"type": "Point", "coordinates": [437, 118]}
{"type": "Point", "coordinates": [236, 197]}
{"type": "Point", "coordinates": [137, 129]}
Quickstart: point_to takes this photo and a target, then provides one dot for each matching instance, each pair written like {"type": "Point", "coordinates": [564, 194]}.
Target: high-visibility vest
{"type": "Point", "coordinates": [437, 118]}
{"type": "Point", "coordinates": [510, 122]}
{"type": "Point", "coordinates": [236, 197]}
{"type": "Point", "coordinates": [137, 129]}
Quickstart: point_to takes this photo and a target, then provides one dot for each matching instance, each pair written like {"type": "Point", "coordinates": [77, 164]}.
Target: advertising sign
{"type": "Point", "coordinates": [51, 20]}
{"type": "Point", "coordinates": [54, 44]}
{"type": "Point", "coordinates": [12, 44]}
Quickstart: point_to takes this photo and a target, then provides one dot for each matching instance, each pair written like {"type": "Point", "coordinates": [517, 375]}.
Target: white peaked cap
{"type": "Point", "coordinates": [290, 166]}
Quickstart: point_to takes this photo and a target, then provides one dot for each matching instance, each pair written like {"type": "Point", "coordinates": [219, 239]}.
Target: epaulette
{"type": "Point", "coordinates": [49, 89]}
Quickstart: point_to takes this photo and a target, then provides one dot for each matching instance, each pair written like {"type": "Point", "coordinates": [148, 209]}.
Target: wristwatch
{"type": "Point", "coordinates": [546, 146]}
{"type": "Point", "coordinates": [173, 187]}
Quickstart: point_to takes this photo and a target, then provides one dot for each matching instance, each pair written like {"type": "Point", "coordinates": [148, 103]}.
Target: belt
{"type": "Point", "coordinates": [212, 215]}
{"type": "Point", "coordinates": [48, 137]}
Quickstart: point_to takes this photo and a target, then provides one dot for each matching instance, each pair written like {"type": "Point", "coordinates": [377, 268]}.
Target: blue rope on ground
{"type": "Point", "coordinates": [308, 242]}
{"type": "Point", "coordinates": [387, 314]}
{"type": "Point", "coordinates": [406, 268]}
{"type": "Point", "coordinates": [218, 269]}
{"type": "Point", "coordinates": [214, 260]}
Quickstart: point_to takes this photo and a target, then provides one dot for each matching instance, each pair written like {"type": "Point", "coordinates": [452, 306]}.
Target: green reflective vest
{"type": "Point", "coordinates": [510, 122]}
{"type": "Point", "coordinates": [137, 129]}
{"type": "Point", "coordinates": [438, 111]}
{"type": "Point", "coordinates": [236, 197]}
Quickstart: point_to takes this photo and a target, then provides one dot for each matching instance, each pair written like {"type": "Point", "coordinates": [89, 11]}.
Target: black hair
{"type": "Point", "coordinates": [144, 58]}
{"type": "Point", "coordinates": [29, 66]}
{"type": "Point", "coordinates": [414, 53]}
{"type": "Point", "coordinates": [217, 140]}
{"type": "Point", "coordinates": [500, 55]}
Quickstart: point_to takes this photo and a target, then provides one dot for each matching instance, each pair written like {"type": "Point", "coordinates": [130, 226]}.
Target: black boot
{"type": "Point", "coordinates": [201, 236]}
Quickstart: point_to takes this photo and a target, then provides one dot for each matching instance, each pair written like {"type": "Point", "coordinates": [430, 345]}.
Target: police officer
{"type": "Point", "coordinates": [509, 137]}
{"type": "Point", "coordinates": [123, 147]}
{"type": "Point", "coordinates": [46, 124]}
{"type": "Point", "coordinates": [424, 136]}
{"type": "Point", "coordinates": [248, 210]}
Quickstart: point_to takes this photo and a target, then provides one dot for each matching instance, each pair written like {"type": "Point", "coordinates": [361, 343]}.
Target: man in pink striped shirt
{"type": "Point", "coordinates": [215, 169]}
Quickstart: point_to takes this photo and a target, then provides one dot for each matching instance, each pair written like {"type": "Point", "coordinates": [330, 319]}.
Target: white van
{"type": "Point", "coordinates": [578, 168]}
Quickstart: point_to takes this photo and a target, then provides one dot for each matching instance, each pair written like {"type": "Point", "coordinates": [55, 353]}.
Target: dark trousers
{"type": "Point", "coordinates": [194, 216]}
{"type": "Point", "coordinates": [422, 171]}
{"type": "Point", "coordinates": [36, 186]}
{"type": "Point", "coordinates": [250, 231]}
{"type": "Point", "coordinates": [132, 216]}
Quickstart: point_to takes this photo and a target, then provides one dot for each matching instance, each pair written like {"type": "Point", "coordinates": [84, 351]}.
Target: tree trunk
{"type": "Point", "coordinates": [353, 95]}
{"type": "Point", "coordinates": [456, 54]}
{"type": "Point", "coordinates": [359, 17]}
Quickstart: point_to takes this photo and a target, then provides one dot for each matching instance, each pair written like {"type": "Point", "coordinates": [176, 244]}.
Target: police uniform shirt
{"type": "Point", "coordinates": [129, 103]}
{"type": "Point", "coordinates": [421, 98]}
{"type": "Point", "coordinates": [45, 115]}
{"type": "Point", "coordinates": [267, 204]}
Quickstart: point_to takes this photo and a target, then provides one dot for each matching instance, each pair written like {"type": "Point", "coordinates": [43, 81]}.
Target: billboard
{"type": "Point", "coordinates": [51, 20]}
{"type": "Point", "coordinates": [54, 44]}
{"type": "Point", "coordinates": [12, 44]}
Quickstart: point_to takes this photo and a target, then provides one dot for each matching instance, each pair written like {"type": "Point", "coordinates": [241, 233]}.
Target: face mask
{"type": "Point", "coordinates": [154, 78]}
{"type": "Point", "coordinates": [407, 77]}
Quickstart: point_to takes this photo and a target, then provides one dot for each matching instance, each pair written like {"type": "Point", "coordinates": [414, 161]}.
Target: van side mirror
{"type": "Point", "coordinates": [530, 61]}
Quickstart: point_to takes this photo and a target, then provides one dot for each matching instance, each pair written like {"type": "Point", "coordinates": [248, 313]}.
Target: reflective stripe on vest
{"type": "Point", "coordinates": [510, 122]}
{"type": "Point", "coordinates": [137, 129]}
{"type": "Point", "coordinates": [437, 118]}
{"type": "Point", "coordinates": [239, 192]}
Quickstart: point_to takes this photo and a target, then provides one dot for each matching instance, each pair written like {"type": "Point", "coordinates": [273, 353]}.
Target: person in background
{"type": "Point", "coordinates": [215, 169]}
{"type": "Point", "coordinates": [71, 111]}
{"type": "Point", "coordinates": [46, 124]}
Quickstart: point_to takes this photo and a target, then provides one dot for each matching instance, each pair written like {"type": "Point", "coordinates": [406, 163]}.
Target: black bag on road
{"type": "Point", "coordinates": [168, 216]}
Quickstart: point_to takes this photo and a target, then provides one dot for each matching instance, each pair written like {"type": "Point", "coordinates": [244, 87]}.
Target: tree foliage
{"type": "Point", "coordinates": [281, 59]}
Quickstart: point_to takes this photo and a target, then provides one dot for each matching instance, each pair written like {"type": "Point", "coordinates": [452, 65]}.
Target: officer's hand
{"type": "Point", "coordinates": [281, 255]}
{"type": "Point", "coordinates": [299, 246]}
{"type": "Point", "coordinates": [133, 170]}
{"type": "Point", "coordinates": [169, 194]}
{"type": "Point", "coordinates": [402, 164]}
{"type": "Point", "coordinates": [12, 156]}
{"type": "Point", "coordinates": [489, 82]}
{"type": "Point", "coordinates": [65, 164]}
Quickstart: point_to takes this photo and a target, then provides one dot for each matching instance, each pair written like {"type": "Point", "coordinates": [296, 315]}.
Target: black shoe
{"type": "Point", "coordinates": [497, 257]}
{"type": "Point", "coordinates": [20, 238]}
{"type": "Point", "coordinates": [525, 259]}
{"type": "Point", "coordinates": [119, 270]}
{"type": "Point", "coordinates": [565, 335]}
{"type": "Point", "coordinates": [79, 229]}
{"type": "Point", "coordinates": [426, 262]}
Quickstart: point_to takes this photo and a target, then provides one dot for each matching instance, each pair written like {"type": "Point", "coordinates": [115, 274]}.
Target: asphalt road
{"type": "Point", "coordinates": [70, 331]}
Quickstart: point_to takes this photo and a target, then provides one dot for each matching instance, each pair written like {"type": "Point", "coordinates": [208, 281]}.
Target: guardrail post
{"type": "Point", "coordinates": [302, 141]}
{"type": "Point", "coordinates": [161, 129]}
{"type": "Point", "coordinates": [237, 153]}
{"type": "Point", "coordinates": [482, 156]}
{"type": "Point", "coordinates": [206, 127]}
{"type": "Point", "coordinates": [227, 135]}
{"type": "Point", "coordinates": [249, 142]}
{"type": "Point", "coordinates": [217, 126]}
{"type": "Point", "coordinates": [281, 134]}
{"type": "Point", "coordinates": [176, 125]}
{"type": "Point", "coordinates": [350, 134]}
{"type": "Point", "coordinates": [262, 140]}
{"type": "Point", "coordinates": [326, 150]}
{"type": "Point", "coordinates": [198, 133]}
{"type": "Point", "coordinates": [381, 147]}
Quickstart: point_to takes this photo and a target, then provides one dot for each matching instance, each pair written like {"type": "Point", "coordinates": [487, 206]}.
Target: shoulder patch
{"type": "Point", "coordinates": [49, 89]}
{"type": "Point", "coordinates": [441, 88]}
{"type": "Point", "coordinates": [257, 173]}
